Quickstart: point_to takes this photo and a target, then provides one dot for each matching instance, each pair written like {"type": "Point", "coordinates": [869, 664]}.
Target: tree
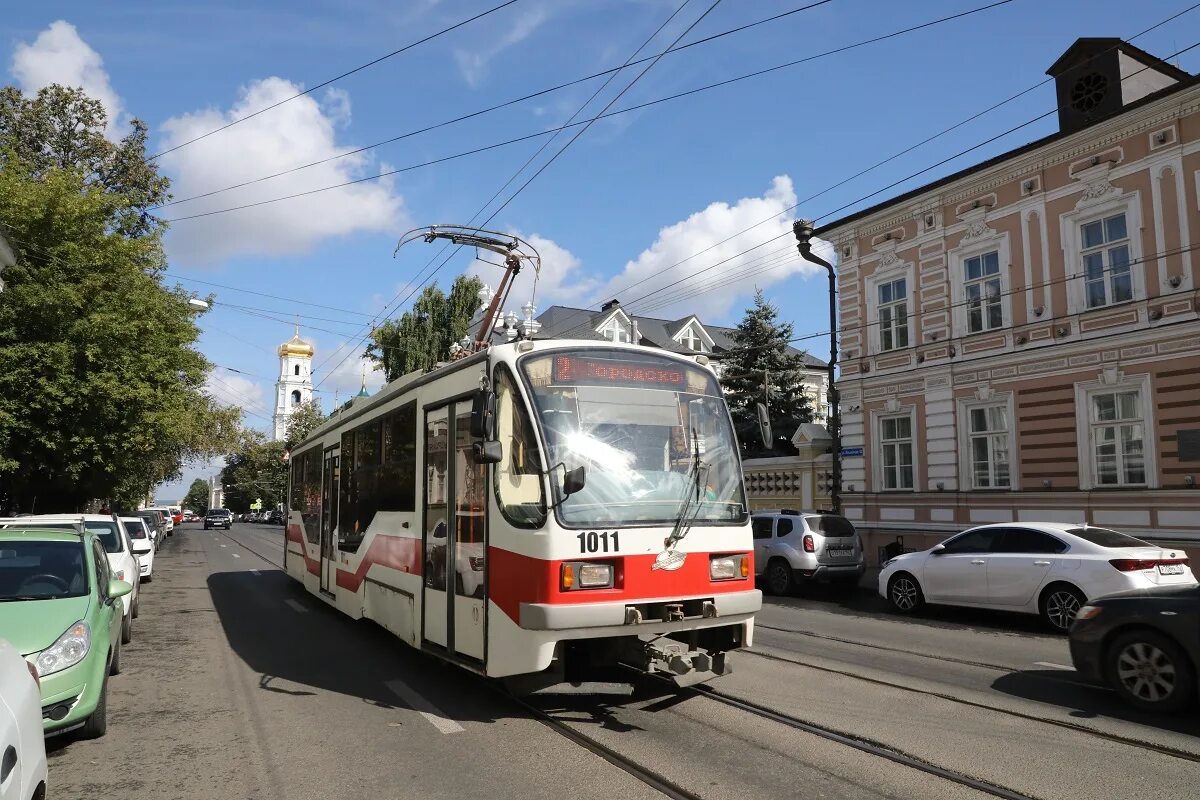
{"type": "Point", "coordinates": [304, 420]}
{"type": "Point", "coordinates": [423, 335]}
{"type": "Point", "coordinates": [101, 388]}
{"type": "Point", "coordinates": [255, 471]}
{"type": "Point", "coordinates": [763, 368]}
{"type": "Point", "coordinates": [197, 496]}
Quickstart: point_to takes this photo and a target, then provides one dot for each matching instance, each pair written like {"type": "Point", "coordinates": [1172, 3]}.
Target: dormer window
{"type": "Point", "coordinates": [692, 340]}
{"type": "Point", "coordinates": [614, 331]}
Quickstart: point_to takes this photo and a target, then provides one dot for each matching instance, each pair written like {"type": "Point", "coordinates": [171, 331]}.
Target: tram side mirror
{"type": "Point", "coordinates": [483, 415]}
{"type": "Point", "coordinates": [487, 452]}
{"type": "Point", "coordinates": [573, 481]}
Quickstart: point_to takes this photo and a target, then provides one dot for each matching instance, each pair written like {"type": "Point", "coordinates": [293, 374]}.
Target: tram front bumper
{"type": "Point", "coordinates": [729, 607]}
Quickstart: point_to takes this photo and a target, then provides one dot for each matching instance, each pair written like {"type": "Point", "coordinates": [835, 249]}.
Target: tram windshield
{"type": "Point", "coordinates": [652, 435]}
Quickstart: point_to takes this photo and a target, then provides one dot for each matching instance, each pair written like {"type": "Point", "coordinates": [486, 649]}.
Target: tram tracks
{"type": "Point", "coordinates": [1116, 738]}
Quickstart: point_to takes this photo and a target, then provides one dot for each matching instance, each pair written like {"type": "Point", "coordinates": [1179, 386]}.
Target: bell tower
{"type": "Point", "coordinates": [294, 386]}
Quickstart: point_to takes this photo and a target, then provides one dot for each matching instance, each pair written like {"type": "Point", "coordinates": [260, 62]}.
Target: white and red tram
{"type": "Point", "coordinates": [581, 513]}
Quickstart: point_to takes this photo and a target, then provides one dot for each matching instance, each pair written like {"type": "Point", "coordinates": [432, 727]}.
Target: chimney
{"type": "Point", "coordinates": [611, 304]}
{"type": "Point", "coordinates": [1097, 77]}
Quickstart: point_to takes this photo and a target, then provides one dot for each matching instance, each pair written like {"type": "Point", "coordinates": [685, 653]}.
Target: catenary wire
{"type": "Point", "coordinates": [498, 106]}
{"type": "Point", "coordinates": [336, 78]}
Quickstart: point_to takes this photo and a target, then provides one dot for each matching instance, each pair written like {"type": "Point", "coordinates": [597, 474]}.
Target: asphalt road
{"type": "Point", "coordinates": [240, 685]}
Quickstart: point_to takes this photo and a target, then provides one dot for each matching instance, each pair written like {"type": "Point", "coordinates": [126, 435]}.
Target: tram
{"type": "Point", "coordinates": [550, 512]}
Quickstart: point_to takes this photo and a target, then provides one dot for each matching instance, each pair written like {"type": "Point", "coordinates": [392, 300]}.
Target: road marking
{"type": "Point", "coordinates": [222, 545]}
{"type": "Point", "coordinates": [426, 709]}
{"type": "Point", "coordinates": [295, 606]}
{"type": "Point", "coordinates": [255, 572]}
{"type": "Point", "coordinates": [235, 555]}
{"type": "Point", "coordinates": [1052, 665]}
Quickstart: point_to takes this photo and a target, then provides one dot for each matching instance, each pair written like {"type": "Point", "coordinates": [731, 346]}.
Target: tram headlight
{"type": "Point", "coordinates": [728, 568]}
{"type": "Point", "coordinates": [583, 575]}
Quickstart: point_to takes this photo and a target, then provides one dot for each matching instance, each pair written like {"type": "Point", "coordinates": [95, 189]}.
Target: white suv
{"type": "Point", "coordinates": [792, 546]}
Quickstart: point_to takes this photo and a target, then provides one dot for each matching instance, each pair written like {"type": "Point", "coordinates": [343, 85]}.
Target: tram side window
{"type": "Point", "coordinates": [311, 508]}
{"type": "Point", "coordinates": [362, 484]}
{"type": "Point", "coordinates": [296, 498]}
{"type": "Point", "coordinates": [518, 475]}
{"type": "Point", "coordinates": [397, 475]}
{"type": "Point", "coordinates": [348, 490]}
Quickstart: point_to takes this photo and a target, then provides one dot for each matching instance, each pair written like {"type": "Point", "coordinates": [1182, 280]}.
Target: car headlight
{"type": "Point", "coordinates": [579, 575]}
{"type": "Point", "coordinates": [728, 568]}
{"type": "Point", "coordinates": [68, 651]}
{"type": "Point", "coordinates": [1087, 612]}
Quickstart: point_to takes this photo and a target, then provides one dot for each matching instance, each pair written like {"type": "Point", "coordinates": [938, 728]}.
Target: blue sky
{"type": "Point", "coordinates": [632, 197]}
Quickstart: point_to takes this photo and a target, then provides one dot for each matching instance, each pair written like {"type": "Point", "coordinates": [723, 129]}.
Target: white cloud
{"type": "Point", "coordinates": [234, 390]}
{"type": "Point", "coordinates": [59, 55]}
{"type": "Point", "coordinates": [712, 293]}
{"type": "Point", "coordinates": [473, 63]}
{"type": "Point", "coordinates": [561, 281]}
{"type": "Point", "coordinates": [346, 375]}
{"type": "Point", "coordinates": [298, 132]}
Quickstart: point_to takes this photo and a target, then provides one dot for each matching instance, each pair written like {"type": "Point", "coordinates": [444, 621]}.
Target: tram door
{"type": "Point", "coordinates": [455, 534]}
{"type": "Point", "coordinates": [329, 517]}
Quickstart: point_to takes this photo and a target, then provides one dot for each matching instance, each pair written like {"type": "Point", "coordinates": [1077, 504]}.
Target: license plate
{"type": "Point", "coordinates": [839, 553]}
{"type": "Point", "coordinates": [1170, 569]}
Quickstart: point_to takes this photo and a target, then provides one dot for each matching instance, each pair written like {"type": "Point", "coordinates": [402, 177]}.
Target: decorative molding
{"type": "Point", "coordinates": [1096, 192]}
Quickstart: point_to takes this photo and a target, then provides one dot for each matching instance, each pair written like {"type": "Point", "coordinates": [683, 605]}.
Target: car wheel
{"type": "Point", "coordinates": [779, 577]}
{"type": "Point", "coordinates": [148, 577]}
{"type": "Point", "coordinates": [1150, 671]}
{"type": "Point", "coordinates": [126, 631]}
{"type": "Point", "coordinates": [114, 667]}
{"type": "Point", "coordinates": [137, 606]}
{"type": "Point", "coordinates": [904, 593]}
{"type": "Point", "coordinates": [97, 724]}
{"type": "Point", "coordinates": [1060, 604]}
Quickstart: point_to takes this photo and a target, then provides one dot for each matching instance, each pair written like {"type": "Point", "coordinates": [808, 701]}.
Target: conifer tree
{"type": "Point", "coordinates": [762, 368]}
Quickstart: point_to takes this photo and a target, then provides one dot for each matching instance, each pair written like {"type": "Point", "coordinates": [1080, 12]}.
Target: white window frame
{"type": "Point", "coordinates": [693, 334]}
{"type": "Point", "coordinates": [901, 269]}
{"type": "Point", "coordinates": [1083, 429]}
{"type": "Point", "coordinates": [966, 468]}
{"type": "Point", "coordinates": [1071, 230]}
{"type": "Point", "coordinates": [877, 418]}
{"type": "Point", "coordinates": [958, 281]}
{"type": "Point", "coordinates": [614, 331]}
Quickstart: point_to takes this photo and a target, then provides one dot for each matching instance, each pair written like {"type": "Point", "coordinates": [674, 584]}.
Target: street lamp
{"type": "Point", "coordinates": [196, 304]}
{"type": "Point", "coordinates": [803, 229]}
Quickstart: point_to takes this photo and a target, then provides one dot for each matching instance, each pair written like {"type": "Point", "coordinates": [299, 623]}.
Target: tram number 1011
{"type": "Point", "coordinates": [598, 542]}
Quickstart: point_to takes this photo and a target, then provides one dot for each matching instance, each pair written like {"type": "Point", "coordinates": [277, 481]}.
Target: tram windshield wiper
{"type": "Point", "coordinates": [690, 505]}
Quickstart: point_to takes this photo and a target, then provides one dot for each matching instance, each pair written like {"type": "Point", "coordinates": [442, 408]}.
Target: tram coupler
{"type": "Point", "coordinates": [676, 660]}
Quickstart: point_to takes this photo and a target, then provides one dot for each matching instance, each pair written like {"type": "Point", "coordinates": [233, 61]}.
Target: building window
{"type": "Point", "coordinates": [1117, 438]}
{"type": "Point", "coordinates": [296, 397]}
{"type": "Point", "coordinates": [692, 340]}
{"type": "Point", "coordinates": [1107, 278]}
{"type": "Point", "coordinates": [297, 368]}
{"type": "Point", "coordinates": [615, 332]}
{"type": "Point", "coordinates": [981, 283]}
{"type": "Point", "coordinates": [989, 436]}
{"type": "Point", "coordinates": [893, 314]}
{"type": "Point", "coordinates": [896, 452]}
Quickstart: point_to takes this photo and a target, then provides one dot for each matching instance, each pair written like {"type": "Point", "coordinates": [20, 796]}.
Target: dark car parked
{"type": "Point", "coordinates": [1145, 645]}
{"type": "Point", "coordinates": [218, 518]}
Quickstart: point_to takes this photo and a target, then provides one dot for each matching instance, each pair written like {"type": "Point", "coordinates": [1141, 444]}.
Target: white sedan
{"type": "Point", "coordinates": [142, 539]}
{"type": "Point", "coordinates": [1046, 568]}
{"type": "Point", "coordinates": [21, 736]}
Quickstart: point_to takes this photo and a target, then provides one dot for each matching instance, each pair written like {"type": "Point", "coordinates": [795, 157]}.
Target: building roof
{"type": "Point", "coordinates": [296, 347]}
{"type": "Point", "coordinates": [1089, 47]}
{"type": "Point", "coordinates": [1187, 81]}
{"type": "Point", "coordinates": [560, 322]}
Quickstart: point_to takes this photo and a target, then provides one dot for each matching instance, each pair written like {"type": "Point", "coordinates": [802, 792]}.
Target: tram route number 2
{"type": "Point", "coordinates": [598, 542]}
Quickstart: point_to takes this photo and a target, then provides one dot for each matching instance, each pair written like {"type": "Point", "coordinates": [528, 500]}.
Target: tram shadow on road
{"type": "Point", "coordinates": [300, 647]}
{"type": "Point", "coordinates": [1085, 701]}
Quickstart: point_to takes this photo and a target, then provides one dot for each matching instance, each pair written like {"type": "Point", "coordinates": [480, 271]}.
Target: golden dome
{"type": "Point", "coordinates": [296, 347]}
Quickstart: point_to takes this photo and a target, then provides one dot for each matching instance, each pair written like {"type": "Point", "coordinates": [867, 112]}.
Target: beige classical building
{"type": "Point", "coordinates": [1020, 339]}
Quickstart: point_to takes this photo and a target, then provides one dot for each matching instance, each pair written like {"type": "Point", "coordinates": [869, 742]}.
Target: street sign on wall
{"type": "Point", "coordinates": [852, 452]}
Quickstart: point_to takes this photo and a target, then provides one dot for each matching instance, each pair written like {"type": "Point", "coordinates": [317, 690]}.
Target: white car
{"type": "Point", "coordinates": [142, 539]}
{"type": "Point", "coordinates": [1046, 568]}
{"type": "Point", "coordinates": [168, 520]}
{"type": "Point", "coordinates": [21, 737]}
{"type": "Point", "coordinates": [122, 560]}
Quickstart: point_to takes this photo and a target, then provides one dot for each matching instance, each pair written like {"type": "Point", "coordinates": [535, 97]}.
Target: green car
{"type": "Point", "coordinates": [59, 607]}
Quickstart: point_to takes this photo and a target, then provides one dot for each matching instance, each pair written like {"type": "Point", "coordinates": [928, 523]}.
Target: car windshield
{"type": "Point", "coordinates": [33, 570]}
{"type": "Point", "coordinates": [1107, 538]}
{"type": "Point", "coordinates": [136, 528]}
{"type": "Point", "coordinates": [106, 532]}
{"type": "Point", "coordinates": [648, 431]}
{"type": "Point", "coordinates": [217, 512]}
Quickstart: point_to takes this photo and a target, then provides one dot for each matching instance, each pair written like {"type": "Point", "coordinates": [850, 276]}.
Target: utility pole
{"type": "Point", "coordinates": [803, 229]}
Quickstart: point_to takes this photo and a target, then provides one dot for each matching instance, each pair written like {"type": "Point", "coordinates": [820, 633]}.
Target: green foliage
{"type": "Point", "coordinates": [304, 420]}
{"type": "Point", "coordinates": [197, 496]}
{"type": "Point", "coordinates": [762, 354]}
{"type": "Point", "coordinates": [255, 471]}
{"type": "Point", "coordinates": [100, 385]}
{"type": "Point", "coordinates": [423, 335]}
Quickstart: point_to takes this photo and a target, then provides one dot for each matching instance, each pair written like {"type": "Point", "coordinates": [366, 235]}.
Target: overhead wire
{"type": "Point", "coordinates": [336, 78]}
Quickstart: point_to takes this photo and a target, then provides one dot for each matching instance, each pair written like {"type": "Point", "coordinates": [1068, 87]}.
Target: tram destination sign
{"type": "Point", "coordinates": [606, 372]}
